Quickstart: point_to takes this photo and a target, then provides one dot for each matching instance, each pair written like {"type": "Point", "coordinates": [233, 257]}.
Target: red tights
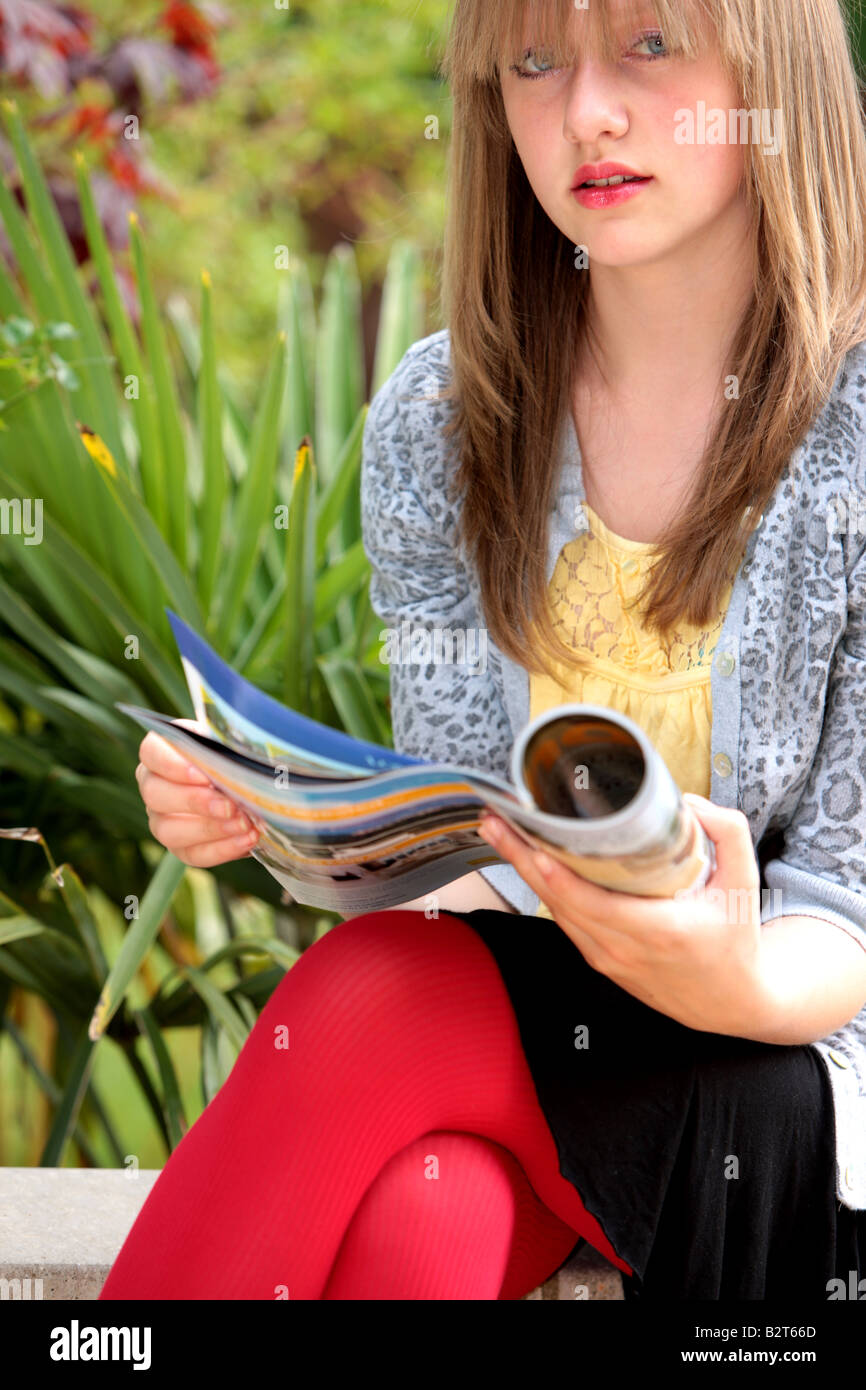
{"type": "Point", "coordinates": [394, 1150]}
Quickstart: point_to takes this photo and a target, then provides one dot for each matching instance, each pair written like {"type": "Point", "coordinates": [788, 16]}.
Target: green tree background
{"type": "Point", "coordinates": [320, 129]}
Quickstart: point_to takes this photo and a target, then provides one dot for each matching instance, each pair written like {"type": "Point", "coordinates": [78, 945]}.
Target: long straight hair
{"type": "Point", "coordinates": [514, 303]}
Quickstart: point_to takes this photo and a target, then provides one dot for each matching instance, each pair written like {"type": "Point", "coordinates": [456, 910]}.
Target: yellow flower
{"type": "Point", "coordinates": [302, 456]}
{"type": "Point", "coordinates": [97, 449]}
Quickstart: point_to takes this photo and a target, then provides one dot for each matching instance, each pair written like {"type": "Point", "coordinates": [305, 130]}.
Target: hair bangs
{"type": "Point", "coordinates": [490, 38]}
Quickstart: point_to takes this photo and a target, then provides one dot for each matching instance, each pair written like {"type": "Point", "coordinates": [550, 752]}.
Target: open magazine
{"type": "Point", "coordinates": [351, 826]}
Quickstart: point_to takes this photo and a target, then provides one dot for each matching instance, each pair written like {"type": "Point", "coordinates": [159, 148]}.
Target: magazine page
{"type": "Point", "coordinates": [370, 889]}
{"type": "Point", "coordinates": [352, 845]}
{"type": "Point", "coordinates": [243, 717]}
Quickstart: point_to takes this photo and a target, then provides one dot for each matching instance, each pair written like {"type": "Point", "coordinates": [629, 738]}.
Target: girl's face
{"type": "Point", "coordinates": [626, 113]}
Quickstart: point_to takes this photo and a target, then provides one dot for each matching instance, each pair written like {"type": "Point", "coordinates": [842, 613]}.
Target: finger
{"type": "Point", "coordinates": [180, 832]}
{"type": "Point", "coordinates": [527, 860]}
{"type": "Point", "coordinates": [590, 942]}
{"type": "Point", "coordinates": [181, 798]}
{"type": "Point", "coordinates": [158, 755]}
{"type": "Point", "coordinates": [213, 852]}
{"type": "Point", "coordinates": [565, 892]}
{"type": "Point", "coordinates": [731, 834]}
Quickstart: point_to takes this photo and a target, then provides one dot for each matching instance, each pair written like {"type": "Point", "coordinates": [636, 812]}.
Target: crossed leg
{"type": "Point", "coordinates": [313, 1172]}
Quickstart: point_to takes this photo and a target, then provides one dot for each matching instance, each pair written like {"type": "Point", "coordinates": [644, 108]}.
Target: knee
{"type": "Point", "coordinates": [400, 950]}
{"type": "Point", "coordinates": [379, 930]}
{"type": "Point", "coordinates": [399, 961]}
{"type": "Point", "coordinates": [450, 1170]}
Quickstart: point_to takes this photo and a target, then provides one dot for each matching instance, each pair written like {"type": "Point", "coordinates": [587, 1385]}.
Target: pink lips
{"type": "Point", "coordinates": [607, 170]}
{"type": "Point", "coordinates": [608, 197]}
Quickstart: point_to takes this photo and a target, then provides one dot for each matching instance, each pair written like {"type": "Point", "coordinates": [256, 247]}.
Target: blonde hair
{"type": "Point", "coordinates": [515, 305]}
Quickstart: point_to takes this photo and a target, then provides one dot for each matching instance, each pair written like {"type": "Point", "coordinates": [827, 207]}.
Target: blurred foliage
{"type": "Point", "coordinates": [313, 131]}
{"type": "Point", "coordinates": [317, 136]}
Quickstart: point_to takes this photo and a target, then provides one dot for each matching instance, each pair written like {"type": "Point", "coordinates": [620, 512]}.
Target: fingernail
{"type": "Point", "coordinates": [221, 807]}
{"type": "Point", "coordinates": [490, 830]}
{"type": "Point", "coordinates": [194, 774]}
{"type": "Point", "coordinates": [544, 865]}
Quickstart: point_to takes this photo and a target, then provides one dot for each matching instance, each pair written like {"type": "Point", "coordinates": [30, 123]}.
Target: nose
{"type": "Point", "coordinates": [594, 106]}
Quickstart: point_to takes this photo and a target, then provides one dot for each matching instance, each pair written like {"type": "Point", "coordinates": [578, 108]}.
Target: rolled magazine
{"type": "Point", "coordinates": [634, 833]}
{"type": "Point", "coordinates": [350, 826]}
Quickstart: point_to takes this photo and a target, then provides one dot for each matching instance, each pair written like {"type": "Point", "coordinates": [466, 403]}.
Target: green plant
{"type": "Point", "coordinates": [59, 955]}
{"type": "Point", "coordinates": [154, 489]}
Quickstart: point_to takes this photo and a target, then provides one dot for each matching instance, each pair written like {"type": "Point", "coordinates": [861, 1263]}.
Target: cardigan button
{"type": "Point", "coordinates": [838, 1057]}
{"type": "Point", "coordinates": [849, 1177]}
{"type": "Point", "coordinates": [725, 663]}
{"type": "Point", "coordinates": [723, 765]}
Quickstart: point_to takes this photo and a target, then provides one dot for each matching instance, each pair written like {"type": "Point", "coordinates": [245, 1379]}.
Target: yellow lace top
{"type": "Point", "coordinates": [663, 687]}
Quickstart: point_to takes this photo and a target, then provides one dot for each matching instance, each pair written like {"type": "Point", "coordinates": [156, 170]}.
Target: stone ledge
{"type": "Point", "coordinates": [65, 1226]}
{"type": "Point", "coordinates": [587, 1275]}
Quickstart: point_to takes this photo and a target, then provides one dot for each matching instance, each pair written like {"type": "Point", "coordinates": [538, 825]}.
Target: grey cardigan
{"type": "Point", "coordinates": [788, 680]}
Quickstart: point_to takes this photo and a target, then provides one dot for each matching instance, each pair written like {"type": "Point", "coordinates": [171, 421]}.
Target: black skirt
{"type": "Point", "coordinates": [708, 1161]}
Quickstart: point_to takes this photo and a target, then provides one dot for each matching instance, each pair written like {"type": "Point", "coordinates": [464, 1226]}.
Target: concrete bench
{"type": "Point", "coordinates": [61, 1229]}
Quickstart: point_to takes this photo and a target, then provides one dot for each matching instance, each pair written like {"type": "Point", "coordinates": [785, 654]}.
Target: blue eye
{"type": "Point", "coordinates": [516, 67]}
{"type": "Point", "coordinates": [654, 37]}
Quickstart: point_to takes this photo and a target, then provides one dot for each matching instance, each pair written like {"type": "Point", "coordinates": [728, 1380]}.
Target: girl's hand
{"type": "Point", "coordinates": [200, 825]}
{"type": "Point", "coordinates": [695, 957]}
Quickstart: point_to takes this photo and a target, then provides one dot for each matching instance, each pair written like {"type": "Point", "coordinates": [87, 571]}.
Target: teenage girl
{"type": "Point", "coordinates": [428, 1134]}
